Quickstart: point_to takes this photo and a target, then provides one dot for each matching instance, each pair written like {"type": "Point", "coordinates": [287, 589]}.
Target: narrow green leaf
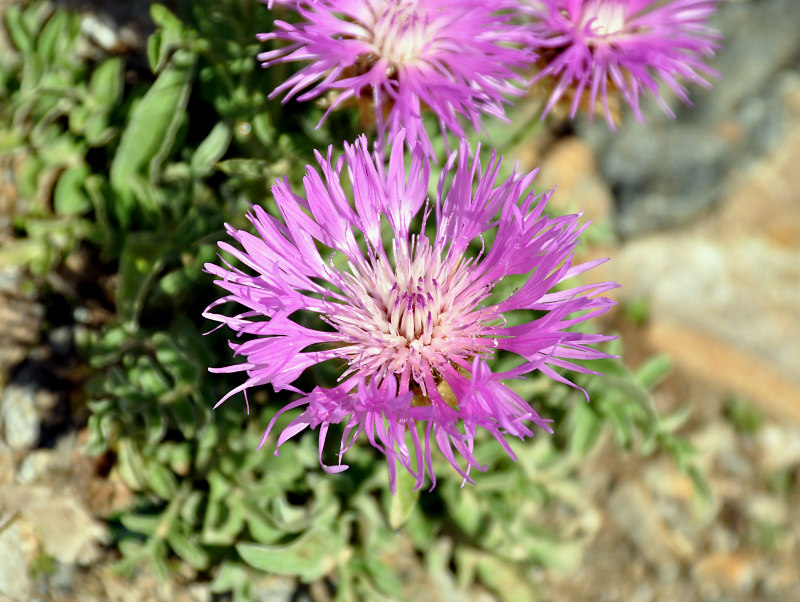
{"type": "Point", "coordinates": [250, 168]}
{"type": "Point", "coordinates": [169, 37]}
{"type": "Point", "coordinates": [188, 550]}
{"type": "Point", "coordinates": [141, 260]}
{"type": "Point", "coordinates": [211, 149]}
{"type": "Point", "coordinates": [161, 480]}
{"type": "Point", "coordinates": [21, 35]}
{"type": "Point", "coordinates": [403, 502]}
{"type": "Point", "coordinates": [148, 377]}
{"type": "Point", "coordinates": [621, 424]}
{"type": "Point", "coordinates": [154, 50]}
{"type": "Point", "coordinates": [27, 176]}
{"type": "Point", "coordinates": [183, 412]}
{"type": "Point", "coordinates": [653, 371]}
{"type": "Point", "coordinates": [384, 578]}
{"type": "Point", "coordinates": [264, 129]}
{"type": "Point", "coordinates": [585, 430]}
{"type": "Point", "coordinates": [105, 85]}
{"type": "Point", "coordinates": [97, 131]}
{"type": "Point", "coordinates": [138, 523]}
{"type": "Point", "coordinates": [154, 122]}
{"type": "Point", "coordinates": [157, 555]}
{"type": "Point", "coordinates": [175, 360]}
{"type": "Point", "coordinates": [130, 465]}
{"type": "Point", "coordinates": [260, 527]}
{"type": "Point", "coordinates": [69, 195]}
{"type": "Point", "coordinates": [166, 19]}
{"type": "Point", "coordinates": [133, 553]}
{"type": "Point", "coordinates": [55, 30]}
{"type": "Point", "coordinates": [311, 556]}
{"type": "Point", "coordinates": [507, 581]}
{"type": "Point", "coordinates": [231, 577]}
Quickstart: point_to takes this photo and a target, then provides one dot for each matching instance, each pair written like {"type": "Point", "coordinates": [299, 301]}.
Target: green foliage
{"type": "Point", "coordinates": [141, 170]}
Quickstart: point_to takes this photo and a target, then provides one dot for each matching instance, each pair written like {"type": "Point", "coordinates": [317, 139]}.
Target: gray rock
{"type": "Point", "coordinates": [68, 532]}
{"type": "Point", "coordinates": [20, 421]}
{"type": "Point", "coordinates": [634, 513]}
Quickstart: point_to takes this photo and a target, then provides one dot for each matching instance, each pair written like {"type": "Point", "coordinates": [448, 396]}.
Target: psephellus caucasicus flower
{"type": "Point", "coordinates": [628, 47]}
{"type": "Point", "coordinates": [455, 58]}
{"type": "Point", "coordinates": [405, 291]}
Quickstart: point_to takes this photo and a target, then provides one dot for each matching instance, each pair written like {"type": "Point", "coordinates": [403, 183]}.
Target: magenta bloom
{"type": "Point", "coordinates": [454, 57]}
{"type": "Point", "coordinates": [408, 316]}
{"type": "Point", "coordinates": [631, 45]}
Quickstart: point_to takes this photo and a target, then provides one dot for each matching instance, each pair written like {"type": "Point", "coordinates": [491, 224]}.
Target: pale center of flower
{"type": "Point", "coordinates": [400, 32]}
{"type": "Point", "coordinates": [604, 17]}
{"type": "Point", "coordinates": [413, 318]}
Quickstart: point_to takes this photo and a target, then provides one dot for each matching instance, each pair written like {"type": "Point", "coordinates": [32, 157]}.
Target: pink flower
{"type": "Point", "coordinates": [454, 57]}
{"type": "Point", "coordinates": [633, 46]}
{"type": "Point", "coordinates": [413, 314]}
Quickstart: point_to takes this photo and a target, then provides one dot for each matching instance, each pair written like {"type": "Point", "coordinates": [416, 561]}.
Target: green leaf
{"type": "Point", "coordinates": [249, 168]}
{"type": "Point", "coordinates": [653, 371]}
{"type": "Point", "coordinates": [157, 555]}
{"type": "Point", "coordinates": [138, 523]}
{"type": "Point", "coordinates": [311, 556]}
{"type": "Point", "coordinates": [97, 443]}
{"type": "Point", "coordinates": [133, 553]}
{"type": "Point", "coordinates": [403, 502]}
{"type": "Point", "coordinates": [621, 424]}
{"type": "Point", "coordinates": [188, 550]}
{"type": "Point", "coordinates": [155, 425]}
{"type": "Point", "coordinates": [505, 579]}
{"type": "Point", "coordinates": [62, 150]}
{"type": "Point", "coordinates": [168, 38]}
{"type": "Point", "coordinates": [154, 122]}
{"type": "Point", "coordinates": [21, 35]}
{"type": "Point", "coordinates": [96, 186]}
{"type": "Point", "coordinates": [54, 36]}
{"type": "Point", "coordinates": [97, 131]}
{"type": "Point", "coordinates": [264, 129]}
{"type": "Point", "coordinates": [78, 118]}
{"type": "Point", "coordinates": [260, 527]}
{"type": "Point", "coordinates": [141, 260]}
{"type": "Point", "coordinates": [130, 465]}
{"type": "Point", "coordinates": [562, 556]}
{"type": "Point", "coordinates": [69, 196]}
{"type": "Point", "coordinates": [465, 508]}
{"type": "Point", "coordinates": [293, 519]}
{"type": "Point", "coordinates": [147, 377]}
{"type": "Point", "coordinates": [586, 426]}
{"type": "Point", "coordinates": [385, 579]}
{"type": "Point", "coordinates": [634, 392]}
{"type": "Point", "coordinates": [232, 577]}
{"type": "Point", "coordinates": [703, 499]}
{"type": "Point", "coordinates": [211, 149]}
{"type": "Point", "coordinates": [161, 480]}
{"type": "Point", "coordinates": [154, 51]}
{"type": "Point", "coordinates": [180, 458]}
{"type": "Point", "coordinates": [105, 85]}
{"type": "Point", "coordinates": [184, 414]}
{"type": "Point", "coordinates": [27, 177]}
{"type": "Point", "coordinates": [224, 517]}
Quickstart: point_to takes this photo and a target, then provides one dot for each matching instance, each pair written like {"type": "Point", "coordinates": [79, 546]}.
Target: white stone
{"type": "Point", "coordinates": [19, 419]}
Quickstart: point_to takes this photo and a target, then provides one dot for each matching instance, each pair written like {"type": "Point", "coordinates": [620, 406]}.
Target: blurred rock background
{"type": "Point", "coordinates": [706, 214]}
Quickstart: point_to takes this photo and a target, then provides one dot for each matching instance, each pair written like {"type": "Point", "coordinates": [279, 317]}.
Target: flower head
{"type": "Point", "coordinates": [412, 314]}
{"type": "Point", "coordinates": [632, 46]}
{"type": "Point", "coordinates": [454, 57]}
